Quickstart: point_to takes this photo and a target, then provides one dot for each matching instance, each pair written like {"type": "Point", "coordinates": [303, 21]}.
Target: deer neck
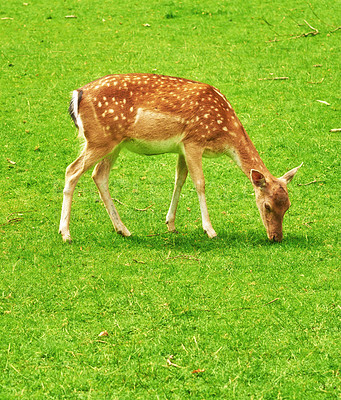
{"type": "Point", "coordinates": [245, 154]}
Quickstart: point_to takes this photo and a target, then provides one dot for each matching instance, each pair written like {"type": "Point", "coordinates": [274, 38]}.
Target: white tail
{"type": "Point", "coordinates": [154, 114]}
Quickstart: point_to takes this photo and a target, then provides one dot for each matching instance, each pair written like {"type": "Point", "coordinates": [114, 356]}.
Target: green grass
{"type": "Point", "coordinates": [261, 320]}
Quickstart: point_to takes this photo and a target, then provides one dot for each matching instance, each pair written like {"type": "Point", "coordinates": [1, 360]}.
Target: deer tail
{"type": "Point", "coordinates": [73, 109]}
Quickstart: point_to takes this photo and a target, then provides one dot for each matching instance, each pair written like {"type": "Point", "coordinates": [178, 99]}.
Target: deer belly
{"type": "Point", "coordinates": [154, 132]}
{"type": "Point", "coordinates": [150, 147]}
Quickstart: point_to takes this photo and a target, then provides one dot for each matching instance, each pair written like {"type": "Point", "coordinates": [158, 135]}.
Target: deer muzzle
{"type": "Point", "coordinates": [275, 236]}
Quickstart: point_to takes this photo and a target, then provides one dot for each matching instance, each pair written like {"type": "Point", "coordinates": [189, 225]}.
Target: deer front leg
{"type": "Point", "coordinates": [101, 176]}
{"type": "Point", "coordinates": [193, 156]}
{"type": "Point", "coordinates": [180, 178]}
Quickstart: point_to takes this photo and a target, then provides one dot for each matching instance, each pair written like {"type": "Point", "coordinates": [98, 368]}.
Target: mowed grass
{"type": "Point", "coordinates": [236, 317]}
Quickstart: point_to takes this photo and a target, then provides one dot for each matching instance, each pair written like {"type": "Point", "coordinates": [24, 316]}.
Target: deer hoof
{"type": "Point", "coordinates": [66, 237]}
{"type": "Point", "coordinates": [211, 233]}
{"type": "Point", "coordinates": [124, 232]}
{"type": "Point", "coordinates": [170, 226]}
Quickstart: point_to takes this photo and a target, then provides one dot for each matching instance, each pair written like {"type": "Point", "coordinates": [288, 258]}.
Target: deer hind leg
{"type": "Point", "coordinates": [73, 172]}
{"type": "Point", "coordinates": [101, 176]}
{"type": "Point", "coordinates": [180, 178]}
{"type": "Point", "coordinates": [193, 156]}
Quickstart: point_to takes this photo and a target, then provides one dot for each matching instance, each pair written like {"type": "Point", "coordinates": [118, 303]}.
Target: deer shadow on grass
{"type": "Point", "coordinates": [197, 240]}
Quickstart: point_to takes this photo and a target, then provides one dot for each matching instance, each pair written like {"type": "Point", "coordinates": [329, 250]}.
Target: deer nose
{"type": "Point", "coordinates": [277, 238]}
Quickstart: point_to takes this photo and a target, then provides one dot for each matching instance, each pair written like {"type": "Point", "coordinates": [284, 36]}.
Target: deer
{"type": "Point", "coordinates": [151, 114]}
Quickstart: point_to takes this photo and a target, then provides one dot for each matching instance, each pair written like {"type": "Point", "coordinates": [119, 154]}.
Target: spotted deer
{"type": "Point", "coordinates": [153, 114]}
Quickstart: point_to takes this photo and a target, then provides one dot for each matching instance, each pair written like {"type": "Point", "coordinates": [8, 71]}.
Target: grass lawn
{"type": "Point", "coordinates": [236, 317]}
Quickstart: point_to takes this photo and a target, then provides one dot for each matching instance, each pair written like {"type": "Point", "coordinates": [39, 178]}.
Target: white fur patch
{"type": "Point", "coordinates": [145, 147]}
{"type": "Point", "coordinates": [79, 122]}
{"type": "Point", "coordinates": [233, 154]}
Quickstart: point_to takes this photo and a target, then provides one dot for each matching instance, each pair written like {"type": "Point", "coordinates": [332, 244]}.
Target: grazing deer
{"type": "Point", "coordinates": [153, 114]}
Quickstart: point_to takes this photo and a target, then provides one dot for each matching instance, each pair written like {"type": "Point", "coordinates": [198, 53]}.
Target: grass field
{"type": "Point", "coordinates": [236, 317]}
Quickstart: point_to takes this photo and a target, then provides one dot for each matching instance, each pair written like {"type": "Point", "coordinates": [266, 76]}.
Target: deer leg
{"type": "Point", "coordinates": [101, 176]}
{"type": "Point", "coordinates": [73, 172]}
{"type": "Point", "coordinates": [193, 156]}
{"type": "Point", "coordinates": [180, 178]}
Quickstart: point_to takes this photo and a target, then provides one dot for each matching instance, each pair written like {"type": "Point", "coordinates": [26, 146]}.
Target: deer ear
{"type": "Point", "coordinates": [290, 174]}
{"type": "Point", "coordinates": [257, 178]}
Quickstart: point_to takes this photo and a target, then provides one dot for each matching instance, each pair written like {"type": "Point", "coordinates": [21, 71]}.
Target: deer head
{"type": "Point", "coordinates": [272, 200]}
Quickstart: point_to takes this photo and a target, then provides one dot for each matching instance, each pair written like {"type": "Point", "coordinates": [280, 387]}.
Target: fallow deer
{"type": "Point", "coordinates": [153, 114]}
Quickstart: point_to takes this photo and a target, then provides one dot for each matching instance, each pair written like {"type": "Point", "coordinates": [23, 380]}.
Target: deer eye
{"type": "Point", "coordinates": [267, 206]}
